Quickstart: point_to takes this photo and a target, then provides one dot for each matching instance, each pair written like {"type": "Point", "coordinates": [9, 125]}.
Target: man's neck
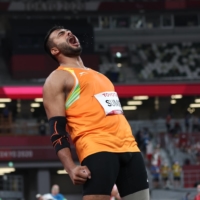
{"type": "Point", "coordinates": [73, 62]}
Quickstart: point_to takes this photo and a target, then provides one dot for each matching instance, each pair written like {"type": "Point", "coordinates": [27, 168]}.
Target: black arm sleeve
{"type": "Point", "coordinates": [59, 136]}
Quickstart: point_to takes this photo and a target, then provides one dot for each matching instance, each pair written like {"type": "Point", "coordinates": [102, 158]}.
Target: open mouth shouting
{"type": "Point", "coordinates": [73, 41]}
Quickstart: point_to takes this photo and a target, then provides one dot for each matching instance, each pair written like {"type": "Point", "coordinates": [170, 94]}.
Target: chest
{"type": "Point", "coordinates": [94, 82]}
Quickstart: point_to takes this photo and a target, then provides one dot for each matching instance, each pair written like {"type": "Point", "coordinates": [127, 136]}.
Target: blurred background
{"type": "Point", "coordinates": [149, 49]}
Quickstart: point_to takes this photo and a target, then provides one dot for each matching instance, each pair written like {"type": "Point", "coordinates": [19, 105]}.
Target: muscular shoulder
{"type": "Point", "coordinates": [58, 80]}
{"type": "Point", "coordinates": [55, 91]}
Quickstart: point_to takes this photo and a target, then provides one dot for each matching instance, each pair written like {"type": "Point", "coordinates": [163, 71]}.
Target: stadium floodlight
{"type": "Point", "coordinates": [119, 64]}
{"type": "Point", "coordinates": [5, 100]}
{"type": "Point", "coordinates": [134, 103]}
{"type": "Point", "coordinates": [129, 107]}
{"type": "Point", "coordinates": [140, 97]}
{"type": "Point", "coordinates": [35, 105]}
{"type": "Point", "coordinates": [197, 100]}
{"type": "Point", "coordinates": [6, 170]}
{"type": "Point", "coordinates": [118, 55]}
{"type": "Point", "coordinates": [2, 105]}
{"type": "Point", "coordinates": [195, 105]}
{"type": "Point", "coordinates": [38, 99]}
{"type": "Point", "coordinates": [176, 96]}
{"type": "Point", "coordinates": [173, 101]}
{"type": "Point", "coordinates": [61, 172]}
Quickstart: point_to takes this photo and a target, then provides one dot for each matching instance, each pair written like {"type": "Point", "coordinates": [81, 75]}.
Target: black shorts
{"type": "Point", "coordinates": [177, 178]}
{"type": "Point", "coordinates": [156, 179]}
{"type": "Point", "coordinates": [127, 170]}
{"type": "Point", "coordinates": [165, 178]}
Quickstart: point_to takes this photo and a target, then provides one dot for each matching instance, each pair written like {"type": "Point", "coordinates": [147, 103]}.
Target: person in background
{"type": "Point", "coordinates": [187, 122]}
{"type": "Point", "coordinates": [149, 152]}
{"type": "Point", "coordinates": [176, 169]}
{"type": "Point", "coordinates": [195, 124]}
{"type": "Point", "coordinates": [47, 196]}
{"type": "Point", "coordinates": [197, 197]}
{"type": "Point", "coordinates": [39, 197]}
{"type": "Point", "coordinates": [115, 193]}
{"type": "Point", "coordinates": [55, 193]}
{"type": "Point", "coordinates": [186, 197]}
{"type": "Point", "coordinates": [157, 155]}
{"type": "Point", "coordinates": [177, 128]}
{"type": "Point", "coordinates": [168, 123]}
{"type": "Point", "coordinates": [165, 169]}
{"type": "Point", "coordinates": [155, 171]}
{"type": "Point", "coordinates": [42, 128]}
{"type": "Point", "coordinates": [6, 119]}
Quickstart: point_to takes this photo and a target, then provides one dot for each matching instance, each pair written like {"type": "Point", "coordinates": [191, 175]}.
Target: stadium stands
{"type": "Point", "coordinates": [167, 61]}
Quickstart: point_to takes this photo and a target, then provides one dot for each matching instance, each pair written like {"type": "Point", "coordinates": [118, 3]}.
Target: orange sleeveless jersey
{"type": "Point", "coordinates": [91, 122]}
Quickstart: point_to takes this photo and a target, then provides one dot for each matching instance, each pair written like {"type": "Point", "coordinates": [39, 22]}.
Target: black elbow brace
{"type": "Point", "coordinates": [59, 136]}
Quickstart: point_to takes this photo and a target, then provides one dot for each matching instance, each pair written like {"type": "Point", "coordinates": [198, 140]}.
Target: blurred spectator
{"type": "Point", "coordinates": [139, 139]}
{"type": "Point", "coordinates": [156, 156]}
{"type": "Point", "coordinates": [42, 127]}
{"type": "Point", "coordinates": [143, 137]}
{"type": "Point", "coordinates": [48, 197]}
{"type": "Point", "coordinates": [196, 150]}
{"type": "Point", "coordinates": [55, 193]}
{"type": "Point", "coordinates": [186, 197]}
{"type": "Point", "coordinates": [149, 152]}
{"type": "Point", "coordinates": [177, 128]}
{"type": "Point", "coordinates": [187, 161]}
{"type": "Point", "coordinates": [183, 141]}
{"type": "Point", "coordinates": [197, 197]}
{"type": "Point", "coordinates": [115, 194]}
{"type": "Point", "coordinates": [195, 124]}
{"type": "Point", "coordinates": [44, 197]}
{"type": "Point", "coordinates": [113, 73]}
{"type": "Point", "coordinates": [6, 114]}
{"type": "Point", "coordinates": [39, 197]}
{"type": "Point", "coordinates": [168, 123]}
{"type": "Point", "coordinates": [165, 170]}
{"type": "Point", "coordinates": [155, 171]}
{"type": "Point", "coordinates": [187, 122]}
{"type": "Point", "coordinates": [176, 169]}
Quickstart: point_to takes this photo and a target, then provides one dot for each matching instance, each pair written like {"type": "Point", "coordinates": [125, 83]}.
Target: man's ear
{"type": "Point", "coordinates": [54, 51]}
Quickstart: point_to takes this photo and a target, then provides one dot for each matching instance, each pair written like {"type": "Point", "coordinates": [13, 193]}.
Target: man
{"type": "Point", "coordinates": [197, 197]}
{"type": "Point", "coordinates": [176, 169]}
{"type": "Point", "coordinates": [165, 170]}
{"type": "Point", "coordinates": [84, 103]}
{"type": "Point", "coordinates": [155, 171]}
{"type": "Point", "coordinates": [55, 193]}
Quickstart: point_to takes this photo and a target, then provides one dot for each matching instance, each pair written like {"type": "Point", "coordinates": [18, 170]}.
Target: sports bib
{"type": "Point", "coordinates": [110, 103]}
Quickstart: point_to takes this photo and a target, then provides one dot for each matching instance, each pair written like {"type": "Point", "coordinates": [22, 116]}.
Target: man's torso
{"type": "Point", "coordinates": [95, 118]}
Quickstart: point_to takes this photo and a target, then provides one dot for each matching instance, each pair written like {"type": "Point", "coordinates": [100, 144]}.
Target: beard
{"type": "Point", "coordinates": [69, 51]}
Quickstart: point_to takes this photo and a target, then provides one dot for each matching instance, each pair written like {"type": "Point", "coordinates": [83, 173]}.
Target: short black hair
{"type": "Point", "coordinates": [48, 43]}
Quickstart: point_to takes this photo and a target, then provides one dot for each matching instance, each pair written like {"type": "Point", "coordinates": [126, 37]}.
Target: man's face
{"type": "Point", "coordinates": [55, 190]}
{"type": "Point", "coordinates": [198, 188]}
{"type": "Point", "coordinates": [67, 43]}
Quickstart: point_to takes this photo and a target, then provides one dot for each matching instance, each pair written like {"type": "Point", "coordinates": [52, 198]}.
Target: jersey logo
{"type": "Point", "coordinates": [82, 73]}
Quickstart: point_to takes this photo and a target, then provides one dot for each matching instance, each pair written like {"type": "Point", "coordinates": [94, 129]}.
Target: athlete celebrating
{"type": "Point", "coordinates": [83, 103]}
